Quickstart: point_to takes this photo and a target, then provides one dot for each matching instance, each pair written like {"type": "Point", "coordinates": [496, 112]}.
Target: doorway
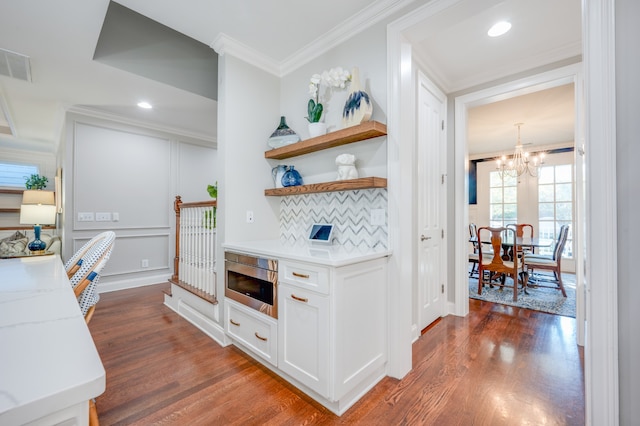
{"type": "Point", "coordinates": [571, 74]}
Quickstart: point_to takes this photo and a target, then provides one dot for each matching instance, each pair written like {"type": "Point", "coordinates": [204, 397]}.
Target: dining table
{"type": "Point", "coordinates": [507, 246]}
{"type": "Point", "coordinates": [49, 365]}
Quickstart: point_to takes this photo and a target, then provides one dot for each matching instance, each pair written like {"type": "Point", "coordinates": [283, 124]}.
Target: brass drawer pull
{"type": "Point", "coordinates": [299, 299]}
{"type": "Point", "coordinates": [296, 274]}
{"type": "Point", "coordinates": [264, 339]}
{"type": "Point", "coordinates": [234, 323]}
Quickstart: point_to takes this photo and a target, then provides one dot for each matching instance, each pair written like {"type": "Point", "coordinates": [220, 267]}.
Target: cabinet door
{"type": "Point", "coordinates": [303, 328]}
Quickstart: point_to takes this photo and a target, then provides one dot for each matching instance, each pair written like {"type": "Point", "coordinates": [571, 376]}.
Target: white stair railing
{"type": "Point", "coordinates": [195, 260]}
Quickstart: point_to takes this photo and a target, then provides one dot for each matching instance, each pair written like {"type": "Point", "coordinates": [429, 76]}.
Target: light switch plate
{"type": "Point", "coordinates": [85, 217]}
{"type": "Point", "coordinates": [103, 217]}
{"type": "Point", "coordinates": [378, 217]}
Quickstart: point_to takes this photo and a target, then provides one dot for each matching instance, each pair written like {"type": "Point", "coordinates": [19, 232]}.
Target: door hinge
{"type": "Point", "coordinates": [442, 125]}
{"type": "Point", "coordinates": [442, 179]}
{"type": "Point", "coordinates": [442, 288]}
{"type": "Point", "coordinates": [442, 233]}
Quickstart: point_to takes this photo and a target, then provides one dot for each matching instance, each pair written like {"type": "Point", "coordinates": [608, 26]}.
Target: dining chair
{"type": "Point", "coordinates": [550, 263]}
{"type": "Point", "coordinates": [495, 264]}
{"type": "Point", "coordinates": [523, 230]}
{"type": "Point", "coordinates": [473, 256]}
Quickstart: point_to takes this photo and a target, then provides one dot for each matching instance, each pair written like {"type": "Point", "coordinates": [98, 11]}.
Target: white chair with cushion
{"type": "Point", "coordinates": [550, 263]}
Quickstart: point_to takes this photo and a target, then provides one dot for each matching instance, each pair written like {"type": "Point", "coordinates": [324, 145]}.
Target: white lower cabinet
{"type": "Point", "coordinates": [303, 350]}
{"type": "Point", "coordinates": [330, 338]}
{"type": "Point", "coordinates": [254, 330]}
{"type": "Point", "coordinates": [333, 340]}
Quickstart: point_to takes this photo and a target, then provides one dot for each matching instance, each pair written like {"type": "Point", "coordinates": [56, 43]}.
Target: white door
{"type": "Point", "coordinates": [431, 166]}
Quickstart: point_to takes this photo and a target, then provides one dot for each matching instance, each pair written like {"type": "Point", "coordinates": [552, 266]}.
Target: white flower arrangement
{"type": "Point", "coordinates": [334, 78]}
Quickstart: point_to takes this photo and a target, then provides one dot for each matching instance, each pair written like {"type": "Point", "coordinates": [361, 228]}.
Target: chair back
{"type": "Point", "coordinates": [498, 235]}
{"type": "Point", "coordinates": [473, 236]}
{"type": "Point", "coordinates": [562, 241]}
{"type": "Point", "coordinates": [522, 229]}
{"type": "Point", "coordinates": [85, 279]}
{"type": "Point", "coordinates": [75, 262]}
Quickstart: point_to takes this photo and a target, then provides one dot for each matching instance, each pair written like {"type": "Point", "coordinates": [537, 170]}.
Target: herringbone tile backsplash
{"type": "Point", "coordinates": [348, 211]}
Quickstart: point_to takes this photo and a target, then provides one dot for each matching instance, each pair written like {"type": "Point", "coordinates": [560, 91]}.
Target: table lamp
{"type": "Point", "coordinates": [38, 208]}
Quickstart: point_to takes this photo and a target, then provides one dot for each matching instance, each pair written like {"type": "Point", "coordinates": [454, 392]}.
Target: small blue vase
{"type": "Point", "coordinates": [291, 177]}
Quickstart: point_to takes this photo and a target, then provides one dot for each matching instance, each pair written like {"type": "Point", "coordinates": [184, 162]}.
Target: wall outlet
{"type": "Point", "coordinates": [85, 217]}
{"type": "Point", "coordinates": [144, 263]}
{"type": "Point", "coordinates": [116, 216]}
{"type": "Point", "coordinates": [378, 217]}
{"type": "Point", "coordinates": [249, 216]}
{"type": "Point", "coordinates": [103, 217]}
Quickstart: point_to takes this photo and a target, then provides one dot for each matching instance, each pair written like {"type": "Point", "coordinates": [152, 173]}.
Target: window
{"type": "Point", "coordinates": [555, 204]}
{"type": "Point", "coordinates": [15, 175]}
{"type": "Point", "coordinates": [503, 200]}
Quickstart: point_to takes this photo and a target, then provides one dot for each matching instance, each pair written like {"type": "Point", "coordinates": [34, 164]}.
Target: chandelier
{"type": "Point", "coordinates": [521, 162]}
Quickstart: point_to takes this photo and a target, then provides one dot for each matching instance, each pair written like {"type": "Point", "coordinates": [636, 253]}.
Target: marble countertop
{"type": "Point", "coordinates": [48, 360]}
{"type": "Point", "coordinates": [330, 255]}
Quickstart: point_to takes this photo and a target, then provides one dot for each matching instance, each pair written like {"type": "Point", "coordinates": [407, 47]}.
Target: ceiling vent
{"type": "Point", "coordinates": [15, 65]}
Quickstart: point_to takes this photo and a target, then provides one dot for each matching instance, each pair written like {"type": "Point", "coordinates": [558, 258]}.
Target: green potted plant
{"type": "Point", "coordinates": [210, 215]}
{"type": "Point", "coordinates": [36, 182]}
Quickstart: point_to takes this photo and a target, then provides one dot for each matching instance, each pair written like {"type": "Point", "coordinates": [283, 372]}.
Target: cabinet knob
{"type": "Point", "coordinates": [264, 339]}
{"type": "Point", "coordinates": [233, 322]}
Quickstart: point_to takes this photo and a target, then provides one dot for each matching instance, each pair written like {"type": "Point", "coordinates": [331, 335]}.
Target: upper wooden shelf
{"type": "Point", "coordinates": [339, 185]}
{"type": "Point", "coordinates": [11, 191]}
{"type": "Point", "coordinates": [366, 130]}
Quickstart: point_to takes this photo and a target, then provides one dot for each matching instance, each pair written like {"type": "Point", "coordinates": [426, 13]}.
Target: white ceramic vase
{"type": "Point", "coordinates": [317, 129]}
{"type": "Point", "coordinates": [358, 107]}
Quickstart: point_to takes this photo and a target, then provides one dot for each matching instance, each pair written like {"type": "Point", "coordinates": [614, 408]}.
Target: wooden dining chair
{"type": "Point", "coordinates": [473, 256]}
{"type": "Point", "coordinates": [523, 230]}
{"type": "Point", "coordinates": [495, 264]}
{"type": "Point", "coordinates": [550, 263]}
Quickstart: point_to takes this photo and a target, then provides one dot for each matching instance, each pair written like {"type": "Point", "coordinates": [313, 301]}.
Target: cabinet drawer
{"type": "Point", "coordinates": [304, 275]}
{"type": "Point", "coordinates": [255, 331]}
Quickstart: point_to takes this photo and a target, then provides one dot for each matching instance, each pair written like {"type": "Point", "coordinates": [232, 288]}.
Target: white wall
{"type": "Point", "coordinates": [136, 173]}
{"type": "Point", "coordinates": [628, 186]}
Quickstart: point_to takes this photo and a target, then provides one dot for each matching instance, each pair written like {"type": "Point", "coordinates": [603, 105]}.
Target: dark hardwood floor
{"type": "Point", "coordinates": [497, 366]}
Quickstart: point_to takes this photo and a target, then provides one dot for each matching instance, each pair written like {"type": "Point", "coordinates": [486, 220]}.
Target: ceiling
{"type": "Point", "coordinates": [60, 39]}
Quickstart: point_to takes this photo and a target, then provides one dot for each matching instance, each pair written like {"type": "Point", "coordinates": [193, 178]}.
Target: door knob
{"type": "Point", "coordinates": [422, 238]}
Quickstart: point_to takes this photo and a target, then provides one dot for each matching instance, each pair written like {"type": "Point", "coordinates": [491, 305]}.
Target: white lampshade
{"type": "Point", "coordinates": [37, 196]}
{"type": "Point", "coordinates": [37, 214]}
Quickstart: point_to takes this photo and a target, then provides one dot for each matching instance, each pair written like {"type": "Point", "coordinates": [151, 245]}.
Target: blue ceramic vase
{"type": "Point", "coordinates": [291, 177]}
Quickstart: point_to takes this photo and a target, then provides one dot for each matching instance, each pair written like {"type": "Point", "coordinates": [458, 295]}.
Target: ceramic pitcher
{"type": "Point", "coordinates": [277, 172]}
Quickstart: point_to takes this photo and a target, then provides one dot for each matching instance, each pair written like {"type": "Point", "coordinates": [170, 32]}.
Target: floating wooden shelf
{"type": "Point", "coordinates": [367, 130]}
{"type": "Point", "coordinates": [6, 210]}
{"type": "Point", "coordinates": [342, 185]}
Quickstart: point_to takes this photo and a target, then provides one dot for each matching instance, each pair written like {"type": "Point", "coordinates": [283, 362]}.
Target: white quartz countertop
{"type": "Point", "coordinates": [48, 360]}
{"type": "Point", "coordinates": [330, 255]}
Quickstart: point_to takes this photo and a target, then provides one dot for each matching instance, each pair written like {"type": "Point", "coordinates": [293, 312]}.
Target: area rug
{"type": "Point", "coordinates": [539, 298]}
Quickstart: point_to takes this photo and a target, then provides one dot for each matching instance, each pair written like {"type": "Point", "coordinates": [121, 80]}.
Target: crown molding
{"type": "Point", "coordinates": [90, 112]}
{"type": "Point", "coordinates": [369, 16]}
{"type": "Point", "coordinates": [342, 32]}
{"type": "Point", "coordinates": [224, 44]}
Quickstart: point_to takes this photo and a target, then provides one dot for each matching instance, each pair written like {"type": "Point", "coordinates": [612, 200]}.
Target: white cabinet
{"type": "Point", "coordinates": [303, 350]}
{"type": "Point", "coordinates": [256, 331]}
{"type": "Point", "coordinates": [332, 330]}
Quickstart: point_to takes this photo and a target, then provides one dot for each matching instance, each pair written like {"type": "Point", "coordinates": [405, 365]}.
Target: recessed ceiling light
{"type": "Point", "coordinates": [145, 105]}
{"type": "Point", "coordinates": [499, 28]}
